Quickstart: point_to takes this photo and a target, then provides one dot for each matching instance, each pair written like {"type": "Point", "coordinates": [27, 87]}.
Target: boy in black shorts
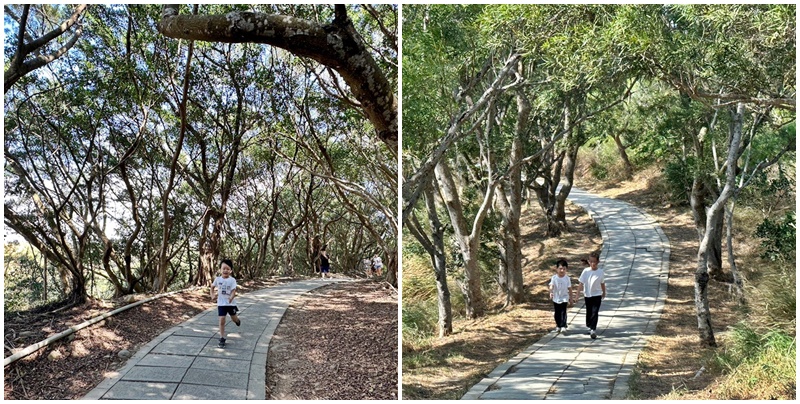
{"type": "Point", "coordinates": [226, 288]}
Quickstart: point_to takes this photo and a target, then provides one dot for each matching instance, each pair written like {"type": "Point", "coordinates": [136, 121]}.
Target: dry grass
{"type": "Point", "coordinates": [446, 368]}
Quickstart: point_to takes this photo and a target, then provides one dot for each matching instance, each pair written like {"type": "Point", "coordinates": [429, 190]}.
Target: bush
{"type": "Point", "coordinates": [678, 176]}
{"type": "Point", "coordinates": [778, 238]}
{"type": "Point", "coordinates": [603, 160]}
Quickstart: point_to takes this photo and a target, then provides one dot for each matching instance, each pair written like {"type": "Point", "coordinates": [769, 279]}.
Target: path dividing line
{"type": "Point", "coordinates": [184, 362]}
{"type": "Point", "coordinates": [572, 366]}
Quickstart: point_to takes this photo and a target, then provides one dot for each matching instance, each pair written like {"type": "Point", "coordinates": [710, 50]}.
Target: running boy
{"type": "Point", "coordinates": [226, 286]}
{"type": "Point", "coordinates": [561, 294]}
{"type": "Point", "coordinates": [593, 281]}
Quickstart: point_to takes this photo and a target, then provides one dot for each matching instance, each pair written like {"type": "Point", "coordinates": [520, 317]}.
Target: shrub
{"type": "Point", "coordinates": [778, 238]}
{"type": "Point", "coordinates": [678, 176]}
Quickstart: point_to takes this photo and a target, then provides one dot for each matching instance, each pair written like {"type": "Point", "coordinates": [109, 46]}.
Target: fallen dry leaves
{"type": "Point", "coordinates": [337, 343]}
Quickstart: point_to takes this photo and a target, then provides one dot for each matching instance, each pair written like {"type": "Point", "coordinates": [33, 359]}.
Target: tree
{"type": "Point", "coordinates": [336, 45]}
{"type": "Point", "coordinates": [20, 64]}
{"type": "Point", "coordinates": [727, 73]}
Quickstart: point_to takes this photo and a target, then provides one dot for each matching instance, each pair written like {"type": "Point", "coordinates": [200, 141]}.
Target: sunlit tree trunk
{"type": "Point", "coordinates": [468, 240]}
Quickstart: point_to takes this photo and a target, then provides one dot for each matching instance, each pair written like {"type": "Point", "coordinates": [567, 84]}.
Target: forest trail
{"type": "Point", "coordinates": [184, 362]}
{"type": "Point", "coordinates": [572, 366]}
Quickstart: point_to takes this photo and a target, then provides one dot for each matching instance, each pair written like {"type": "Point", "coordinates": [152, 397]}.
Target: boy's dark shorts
{"type": "Point", "coordinates": [225, 310]}
{"type": "Point", "coordinates": [326, 269]}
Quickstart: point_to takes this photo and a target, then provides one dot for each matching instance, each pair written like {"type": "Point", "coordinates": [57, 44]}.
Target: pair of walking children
{"type": "Point", "coordinates": [592, 281]}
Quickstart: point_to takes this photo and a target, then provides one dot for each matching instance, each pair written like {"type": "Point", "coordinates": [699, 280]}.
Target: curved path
{"type": "Point", "coordinates": [184, 362]}
{"type": "Point", "coordinates": [572, 366]}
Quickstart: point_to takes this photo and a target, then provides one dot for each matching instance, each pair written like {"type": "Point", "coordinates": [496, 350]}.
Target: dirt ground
{"type": "Point", "coordinates": [447, 368]}
{"type": "Point", "coordinates": [337, 343]}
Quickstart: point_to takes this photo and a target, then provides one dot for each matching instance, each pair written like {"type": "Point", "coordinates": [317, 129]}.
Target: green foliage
{"type": "Point", "coordinates": [603, 159]}
{"type": "Point", "coordinates": [678, 175]}
{"type": "Point", "coordinates": [771, 191]}
{"type": "Point", "coordinates": [759, 364]}
{"type": "Point", "coordinates": [779, 238]}
{"type": "Point", "coordinates": [24, 280]}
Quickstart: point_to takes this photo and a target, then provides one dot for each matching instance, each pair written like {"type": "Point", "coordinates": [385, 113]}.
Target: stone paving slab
{"type": "Point", "coordinates": [185, 363]}
{"type": "Point", "coordinates": [155, 374]}
{"type": "Point", "coordinates": [125, 390]}
{"type": "Point", "coordinates": [572, 366]}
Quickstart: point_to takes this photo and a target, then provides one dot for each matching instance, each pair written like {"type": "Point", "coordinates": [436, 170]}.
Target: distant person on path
{"type": "Point", "coordinates": [377, 265]}
{"type": "Point", "coordinates": [325, 267]}
{"type": "Point", "coordinates": [226, 292]}
{"type": "Point", "coordinates": [561, 294]}
{"type": "Point", "coordinates": [593, 281]}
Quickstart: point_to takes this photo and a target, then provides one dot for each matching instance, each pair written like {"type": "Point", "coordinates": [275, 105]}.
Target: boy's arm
{"type": "Point", "coordinates": [211, 289]}
{"type": "Point", "coordinates": [603, 286]}
{"type": "Point", "coordinates": [233, 295]}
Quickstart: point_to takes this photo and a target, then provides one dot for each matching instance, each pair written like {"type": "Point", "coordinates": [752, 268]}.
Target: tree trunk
{"type": "Point", "coordinates": [714, 253]}
{"type": "Point", "coordinates": [737, 279]}
{"type": "Point", "coordinates": [160, 284]}
{"type": "Point", "coordinates": [623, 155]}
{"type": "Point", "coordinates": [566, 187]}
{"type": "Point", "coordinates": [435, 249]}
{"type": "Point", "coordinates": [714, 214]}
{"type": "Point", "coordinates": [469, 241]}
{"type": "Point", "coordinates": [510, 264]}
{"type": "Point", "coordinates": [701, 279]}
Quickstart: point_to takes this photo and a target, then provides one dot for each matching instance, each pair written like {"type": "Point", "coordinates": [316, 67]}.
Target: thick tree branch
{"type": "Point", "coordinates": [336, 45]}
{"type": "Point", "coordinates": [19, 67]}
{"type": "Point", "coordinates": [412, 187]}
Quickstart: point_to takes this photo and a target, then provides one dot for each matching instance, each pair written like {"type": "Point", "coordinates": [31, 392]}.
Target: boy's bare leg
{"type": "Point", "coordinates": [235, 319]}
{"type": "Point", "coordinates": [222, 326]}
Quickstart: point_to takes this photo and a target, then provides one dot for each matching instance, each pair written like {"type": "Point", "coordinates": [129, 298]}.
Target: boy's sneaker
{"type": "Point", "coordinates": [563, 330]}
{"type": "Point", "coordinates": [221, 343]}
{"type": "Point", "coordinates": [238, 322]}
{"type": "Point", "coordinates": [593, 334]}
{"type": "Point", "coordinates": [558, 330]}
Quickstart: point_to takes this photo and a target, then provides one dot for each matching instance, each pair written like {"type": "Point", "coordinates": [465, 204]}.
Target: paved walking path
{"type": "Point", "coordinates": [184, 362]}
{"type": "Point", "coordinates": [635, 257]}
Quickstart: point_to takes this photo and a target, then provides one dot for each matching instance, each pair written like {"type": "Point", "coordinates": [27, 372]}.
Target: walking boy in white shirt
{"type": "Point", "coordinates": [593, 281]}
{"type": "Point", "coordinates": [561, 294]}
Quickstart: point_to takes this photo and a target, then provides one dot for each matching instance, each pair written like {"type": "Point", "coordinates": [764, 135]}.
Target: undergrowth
{"type": "Point", "coordinates": [758, 364]}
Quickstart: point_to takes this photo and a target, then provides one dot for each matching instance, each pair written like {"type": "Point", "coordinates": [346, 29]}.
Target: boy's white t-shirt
{"type": "Point", "coordinates": [591, 281]}
{"type": "Point", "coordinates": [225, 287]}
{"type": "Point", "coordinates": [377, 262]}
{"type": "Point", "coordinates": [560, 288]}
